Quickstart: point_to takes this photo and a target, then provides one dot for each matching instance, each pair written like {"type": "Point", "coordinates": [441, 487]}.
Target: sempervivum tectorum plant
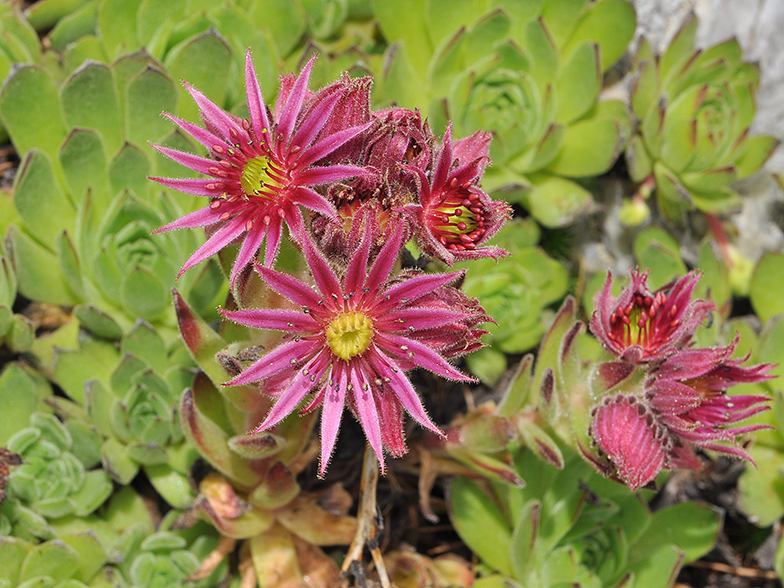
{"type": "Point", "coordinates": [354, 338]}
{"type": "Point", "coordinates": [695, 109]}
{"type": "Point", "coordinates": [645, 326]}
{"type": "Point", "coordinates": [679, 406]}
{"type": "Point", "coordinates": [261, 170]}
{"type": "Point", "coordinates": [663, 399]}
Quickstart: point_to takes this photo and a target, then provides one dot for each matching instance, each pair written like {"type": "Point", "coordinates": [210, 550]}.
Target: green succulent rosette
{"type": "Point", "coordinates": [529, 74]}
{"type": "Point", "coordinates": [695, 109]}
{"type": "Point", "coordinates": [84, 207]}
{"type": "Point", "coordinates": [186, 34]}
{"type": "Point", "coordinates": [126, 393]}
{"type": "Point", "coordinates": [57, 477]}
{"type": "Point", "coordinates": [573, 527]}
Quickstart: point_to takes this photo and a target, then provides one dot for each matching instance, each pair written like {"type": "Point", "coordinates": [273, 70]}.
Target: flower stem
{"type": "Point", "coordinates": [366, 525]}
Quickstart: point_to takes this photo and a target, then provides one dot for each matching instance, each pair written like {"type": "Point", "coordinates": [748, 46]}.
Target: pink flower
{"type": "Point", "coordinates": [457, 217]}
{"type": "Point", "coordinates": [353, 340]}
{"type": "Point", "coordinates": [260, 170]}
{"type": "Point", "coordinates": [645, 326]}
{"type": "Point", "coordinates": [683, 404]}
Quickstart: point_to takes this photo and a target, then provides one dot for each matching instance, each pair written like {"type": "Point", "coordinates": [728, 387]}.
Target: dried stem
{"type": "Point", "coordinates": [366, 521]}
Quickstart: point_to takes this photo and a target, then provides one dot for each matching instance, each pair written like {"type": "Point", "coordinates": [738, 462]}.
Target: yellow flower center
{"type": "Point", "coordinates": [259, 177]}
{"type": "Point", "coordinates": [349, 334]}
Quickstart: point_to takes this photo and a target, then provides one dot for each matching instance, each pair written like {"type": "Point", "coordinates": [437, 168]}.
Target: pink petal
{"type": "Point", "coordinates": [633, 446]}
{"type": "Point", "coordinates": [366, 411]}
{"type": "Point", "coordinates": [357, 267]}
{"type": "Point", "coordinates": [330, 173]}
{"type": "Point", "coordinates": [290, 287]}
{"type": "Point", "coordinates": [258, 111]}
{"type": "Point", "coordinates": [419, 318]}
{"type": "Point", "coordinates": [409, 290]}
{"type": "Point", "coordinates": [222, 237]}
{"type": "Point", "coordinates": [194, 186]}
{"type": "Point", "coordinates": [273, 240]}
{"type": "Point", "coordinates": [332, 412]}
{"type": "Point", "coordinates": [250, 246]}
{"type": "Point", "coordinates": [199, 164]}
{"type": "Point", "coordinates": [325, 278]}
{"type": "Point", "coordinates": [314, 201]}
{"type": "Point", "coordinates": [299, 387]}
{"type": "Point", "coordinates": [403, 389]}
{"type": "Point", "coordinates": [273, 318]}
{"type": "Point", "coordinates": [283, 357]}
{"type": "Point", "coordinates": [328, 144]}
{"type": "Point", "coordinates": [202, 135]}
{"type": "Point", "coordinates": [441, 173]}
{"type": "Point", "coordinates": [381, 268]}
{"type": "Point", "coordinates": [311, 126]}
{"type": "Point", "coordinates": [289, 113]}
{"type": "Point", "coordinates": [199, 218]}
{"type": "Point", "coordinates": [420, 354]}
{"type": "Point", "coordinates": [216, 115]}
{"type": "Point", "coordinates": [391, 415]}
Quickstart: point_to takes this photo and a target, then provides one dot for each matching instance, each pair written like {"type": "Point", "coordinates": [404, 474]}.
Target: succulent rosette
{"type": "Point", "coordinates": [261, 170]}
{"type": "Point", "coordinates": [645, 326]}
{"type": "Point", "coordinates": [680, 405]}
{"type": "Point", "coordinates": [57, 476]}
{"type": "Point", "coordinates": [695, 109]}
{"type": "Point", "coordinates": [352, 341]}
{"type": "Point", "coordinates": [534, 84]}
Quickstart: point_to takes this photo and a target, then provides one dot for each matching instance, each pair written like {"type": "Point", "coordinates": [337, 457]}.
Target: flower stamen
{"type": "Point", "coordinates": [349, 334]}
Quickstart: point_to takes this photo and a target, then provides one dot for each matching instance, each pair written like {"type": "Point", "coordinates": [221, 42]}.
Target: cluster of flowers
{"type": "Point", "coordinates": [661, 397]}
{"type": "Point", "coordinates": [369, 181]}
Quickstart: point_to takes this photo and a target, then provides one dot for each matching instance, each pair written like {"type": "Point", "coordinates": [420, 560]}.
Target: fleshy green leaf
{"type": "Point", "coordinates": [36, 271]}
{"type": "Point", "coordinates": [32, 123]}
{"type": "Point", "coordinates": [144, 294]}
{"type": "Point", "coordinates": [578, 83]}
{"type": "Point", "coordinates": [608, 23]}
{"type": "Point", "coordinates": [89, 100]}
{"type": "Point", "coordinates": [74, 26]}
{"type": "Point", "coordinates": [412, 30]}
{"type": "Point", "coordinates": [20, 397]}
{"type": "Point", "coordinates": [692, 527]}
{"type": "Point", "coordinates": [762, 488]}
{"type": "Point", "coordinates": [284, 20]}
{"type": "Point", "coordinates": [149, 93]}
{"type": "Point", "coordinates": [98, 322]}
{"type": "Point", "coordinates": [556, 201]}
{"type": "Point", "coordinates": [117, 463]}
{"type": "Point", "coordinates": [205, 62]}
{"type": "Point", "coordinates": [481, 524]}
{"type": "Point", "coordinates": [590, 147]}
{"type": "Point", "coordinates": [84, 164]}
{"type": "Point", "coordinates": [44, 207]}
{"type": "Point", "coordinates": [117, 26]}
{"type": "Point", "coordinates": [53, 558]}
{"type": "Point", "coordinates": [758, 151]}
{"type": "Point", "coordinates": [766, 286]}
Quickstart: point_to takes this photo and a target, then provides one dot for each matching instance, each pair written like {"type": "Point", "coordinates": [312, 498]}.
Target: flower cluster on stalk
{"type": "Point", "coordinates": [661, 399]}
{"type": "Point", "coordinates": [368, 183]}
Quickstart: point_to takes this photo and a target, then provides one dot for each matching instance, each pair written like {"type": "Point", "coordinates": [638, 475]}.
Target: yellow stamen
{"type": "Point", "coordinates": [257, 175]}
{"type": "Point", "coordinates": [349, 334]}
